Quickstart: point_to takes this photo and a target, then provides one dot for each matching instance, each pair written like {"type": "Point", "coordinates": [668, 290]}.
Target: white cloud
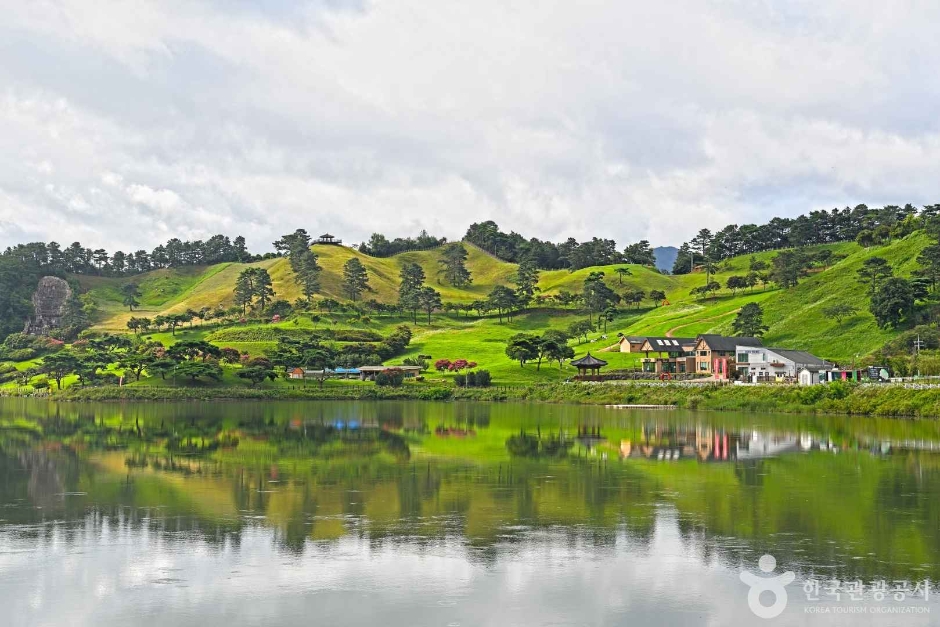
{"type": "Point", "coordinates": [624, 120]}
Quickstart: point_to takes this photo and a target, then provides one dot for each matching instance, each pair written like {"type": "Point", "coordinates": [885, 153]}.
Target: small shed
{"type": "Point", "coordinates": [346, 372]}
{"type": "Point", "coordinates": [297, 373]}
{"type": "Point", "coordinates": [588, 365]}
{"type": "Point", "coordinates": [809, 376]}
{"type": "Point", "coordinates": [367, 373]}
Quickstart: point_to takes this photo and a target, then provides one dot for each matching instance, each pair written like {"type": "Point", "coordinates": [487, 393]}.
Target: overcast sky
{"type": "Point", "coordinates": [124, 123]}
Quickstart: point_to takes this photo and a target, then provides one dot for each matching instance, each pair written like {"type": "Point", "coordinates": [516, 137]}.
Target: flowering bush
{"type": "Point", "coordinates": [442, 364]}
{"type": "Point", "coordinates": [393, 377]}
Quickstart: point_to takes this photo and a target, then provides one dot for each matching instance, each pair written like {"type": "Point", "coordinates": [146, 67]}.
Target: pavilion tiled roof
{"type": "Point", "coordinates": [589, 361]}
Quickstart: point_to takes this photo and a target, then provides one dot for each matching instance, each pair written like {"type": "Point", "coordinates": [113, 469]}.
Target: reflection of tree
{"type": "Point", "coordinates": [534, 446]}
{"type": "Point", "coordinates": [296, 469]}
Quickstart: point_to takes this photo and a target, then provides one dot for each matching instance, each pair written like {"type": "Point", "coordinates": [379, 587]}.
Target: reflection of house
{"type": "Point", "coordinates": [770, 365]}
{"type": "Point", "coordinates": [590, 437]}
{"type": "Point", "coordinates": [715, 354]}
{"type": "Point", "coordinates": [706, 444]}
{"type": "Point", "coordinates": [670, 444]}
{"type": "Point", "coordinates": [762, 445]}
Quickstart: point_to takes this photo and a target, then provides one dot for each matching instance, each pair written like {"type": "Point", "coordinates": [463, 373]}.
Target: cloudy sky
{"type": "Point", "coordinates": [126, 122]}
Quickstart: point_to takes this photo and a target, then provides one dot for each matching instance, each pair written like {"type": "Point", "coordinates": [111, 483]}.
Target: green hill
{"type": "Point", "coordinates": [794, 316]}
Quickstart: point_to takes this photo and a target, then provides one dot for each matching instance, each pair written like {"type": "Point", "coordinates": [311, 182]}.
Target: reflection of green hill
{"type": "Point", "coordinates": [294, 471]}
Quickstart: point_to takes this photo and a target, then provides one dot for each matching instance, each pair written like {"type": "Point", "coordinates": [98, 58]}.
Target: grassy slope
{"type": "Point", "coordinates": [794, 316]}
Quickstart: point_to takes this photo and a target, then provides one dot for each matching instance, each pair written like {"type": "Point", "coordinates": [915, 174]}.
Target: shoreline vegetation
{"type": "Point", "coordinates": [836, 398]}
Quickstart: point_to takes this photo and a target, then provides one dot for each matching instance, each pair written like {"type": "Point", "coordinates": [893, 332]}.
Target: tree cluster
{"type": "Point", "coordinates": [866, 224]}
{"type": "Point", "coordinates": [53, 258]}
{"type": "Point", "coordinates": [253, 287]}
{"type": "Point", "coordinates": [379, 246]}
{"type": "Point", "coordinates": [546, 255]}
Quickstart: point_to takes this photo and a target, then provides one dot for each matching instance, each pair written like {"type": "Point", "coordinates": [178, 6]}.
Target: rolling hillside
{"type": "Point", "coordinates": [794, 316]}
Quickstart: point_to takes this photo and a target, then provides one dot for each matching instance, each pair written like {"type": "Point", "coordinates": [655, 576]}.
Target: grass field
{"type": "Point", "coordinates": [794, 316]}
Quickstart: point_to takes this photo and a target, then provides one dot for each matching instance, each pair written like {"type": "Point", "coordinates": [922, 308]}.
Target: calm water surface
{"type": "Point", "coordinates": [458, 514]}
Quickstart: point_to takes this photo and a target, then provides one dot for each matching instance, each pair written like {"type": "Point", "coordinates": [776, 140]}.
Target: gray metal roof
{"type": "Point", "coordinates": [801, 358]}
{"type": "Point", "coordinates": [725, 343]}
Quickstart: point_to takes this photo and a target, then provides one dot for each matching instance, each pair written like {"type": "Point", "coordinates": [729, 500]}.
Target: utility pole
{"type": "Point", "coordinates": [918, 344]}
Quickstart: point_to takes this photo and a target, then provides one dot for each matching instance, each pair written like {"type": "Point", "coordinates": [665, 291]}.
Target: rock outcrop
{"type": "Point", "coordinates": [49, 302]}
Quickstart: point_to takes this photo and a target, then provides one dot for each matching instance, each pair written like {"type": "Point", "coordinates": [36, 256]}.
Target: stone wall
{"type": "Point", "coordinates": [49, 301]}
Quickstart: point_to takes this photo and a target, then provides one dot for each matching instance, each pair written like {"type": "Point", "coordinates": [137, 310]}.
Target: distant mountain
{"type": "Point", "coordinates": [665, 257]}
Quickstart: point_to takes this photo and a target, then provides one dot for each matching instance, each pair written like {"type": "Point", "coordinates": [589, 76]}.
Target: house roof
{"type": "Point", "coordinates": [725, 343]}
{"type": "Point", "coordinates": [801, 358]}
{"type": "Point", "coordinates": [633, 339]}
{"type": "Point", "coordinates": [670, 344]}
{"type": "Point", "coordinates": [588, 361]}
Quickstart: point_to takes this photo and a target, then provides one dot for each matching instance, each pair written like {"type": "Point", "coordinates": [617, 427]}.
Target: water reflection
{"type": "Point", "coordinates": [400, 507]}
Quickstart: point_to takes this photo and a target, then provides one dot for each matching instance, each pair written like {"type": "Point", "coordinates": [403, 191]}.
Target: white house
{"type": "Point", "coordinates": [759, 364]}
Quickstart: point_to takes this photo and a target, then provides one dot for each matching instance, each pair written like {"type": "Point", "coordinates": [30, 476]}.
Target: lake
{"type": "Point", "coordinates": [409, 513]}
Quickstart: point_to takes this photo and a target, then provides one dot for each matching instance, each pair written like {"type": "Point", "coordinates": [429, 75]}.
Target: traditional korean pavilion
{"type": "Point", "coordinates": [588, 365]}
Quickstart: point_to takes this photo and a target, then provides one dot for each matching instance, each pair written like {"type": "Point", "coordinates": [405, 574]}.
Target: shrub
{"type": "Point", "coordinates": [416, 361]}
{"type": "Point", "coordinates": [18, 340]}
{"type": "Point", "coordinates": [477, 379]}
{"type": "Point", "coordinates": [357, 335]}
{"type": "Point", "coordinates": [21, 354]}
{"type": "Point", "coordinates": [107, 378]}
{"type": "Point", "coordinates": [393, 377]}
{"type": "Point", "coordinates": [262, 334]}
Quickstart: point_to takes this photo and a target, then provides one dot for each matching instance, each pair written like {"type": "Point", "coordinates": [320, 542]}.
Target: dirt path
{"type": "Point", "coordinates": [671, 332]}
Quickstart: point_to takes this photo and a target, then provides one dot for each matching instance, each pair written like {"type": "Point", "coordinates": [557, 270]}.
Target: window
{"type": "Point", "coordinates": [703, 353]}
{"type": "Point", "coordinates": [703, 366]}
{"type": "Point", "coordinates": [742, 358]}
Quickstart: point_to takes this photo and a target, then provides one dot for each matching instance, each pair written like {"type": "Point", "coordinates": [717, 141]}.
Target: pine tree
{"type": "Point", "coordinates": [264, 290]}
{"type": "Point", "coordinates": [428, 299]}
{"type": "Point", "coordinates": [750, 321]}
{"type": "Point", "coordinates": [307, 274]}
{"type": "Point", "coordinates": [453, 263]}
{"type": "Point", "coordinates": [355, 279]}
{"type": "Point", "coordinates": [873, 272]}
{"type": "Point", "coordinates": [527, 279]}
{"type": "Point", "coordinates": [245, 288]}
{"type": "Point", "coordinates": [412, 279]}
{"type": "Point", "coordinates": [131, 292]}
